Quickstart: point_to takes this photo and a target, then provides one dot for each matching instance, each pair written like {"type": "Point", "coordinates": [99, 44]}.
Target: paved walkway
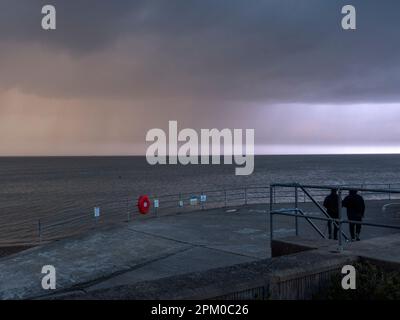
{"type": "Point", "coordinates": [148, 250]}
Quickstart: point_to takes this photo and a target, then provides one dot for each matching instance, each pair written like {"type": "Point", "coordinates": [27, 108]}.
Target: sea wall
{"type": "Point", "coordinates": [297, 276]}
{"type": "Point", "coordinates": [301, 268]}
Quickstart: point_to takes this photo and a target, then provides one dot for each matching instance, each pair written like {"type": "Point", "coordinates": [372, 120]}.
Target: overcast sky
{"type": "Point", "coordinates": [115, 69]}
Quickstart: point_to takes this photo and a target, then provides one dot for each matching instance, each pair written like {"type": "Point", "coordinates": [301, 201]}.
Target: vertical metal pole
{"type": "Point", "coordinates": [271, 201]}
{"type": "Point", "coordinates": [340, 218]}
{"type": "Point", "coordinates": [40, 230]}
{"type": "Point", "coordinates": [390, 193]}
{"type": "Point", "coordinates": [271, 198]}
{"type": "Point", "coordinates": [226, 200]}
{"type": "Point", "coordinates": [127, 209]}
{"type": "Point", "coordinates": [296, 199]}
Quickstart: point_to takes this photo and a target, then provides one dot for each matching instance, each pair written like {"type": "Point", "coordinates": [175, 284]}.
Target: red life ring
{"type": "Point", "coordinates": [144, 204]}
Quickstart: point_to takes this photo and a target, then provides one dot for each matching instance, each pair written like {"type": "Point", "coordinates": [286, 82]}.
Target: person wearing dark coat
{"type": "Point", "coordinates": [331, 203]}
{"type": "Point", "coordinates": [355, 211]}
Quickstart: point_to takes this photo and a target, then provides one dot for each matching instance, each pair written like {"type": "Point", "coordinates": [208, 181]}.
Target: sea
{"type": "Point", "coordinates": [39, 192]}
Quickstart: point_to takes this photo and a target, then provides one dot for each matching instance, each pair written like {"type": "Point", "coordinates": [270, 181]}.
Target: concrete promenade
{"type": "Point", "coordinates": [154, 249]}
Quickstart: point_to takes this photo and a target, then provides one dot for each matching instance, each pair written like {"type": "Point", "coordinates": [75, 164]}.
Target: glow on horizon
{"type": "Point", "coordinates": [31, 125]}
{"type": "Point", "coordinates": [325, 150]}
{"type": "Point", "coordinates": [260, 150]}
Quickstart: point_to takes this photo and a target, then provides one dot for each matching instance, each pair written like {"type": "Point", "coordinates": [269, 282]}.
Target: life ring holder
{"type": "Point", "coordinates": [144, 204]}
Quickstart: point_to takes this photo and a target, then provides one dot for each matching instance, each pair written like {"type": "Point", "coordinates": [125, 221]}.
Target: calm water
{"type": "Point", "coordinates": [59, 188]}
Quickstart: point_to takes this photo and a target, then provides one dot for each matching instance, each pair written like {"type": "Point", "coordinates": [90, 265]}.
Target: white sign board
{"type": "Point", "coordinates": [156, 203]}
{"type": "Point", "coordinates": [96, 212]}
{"type": "Point", "coordinates": [203, 198]}
{"type": "Point", "coordinates": [193, 201]}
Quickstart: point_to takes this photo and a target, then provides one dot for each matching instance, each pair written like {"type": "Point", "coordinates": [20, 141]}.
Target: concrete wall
{"type": "Point", "coordinates": [297, 276]}
{"type": "Point", "coordinates": [303, 286]}
{"type": "Point", "coordinates": [291, 245]}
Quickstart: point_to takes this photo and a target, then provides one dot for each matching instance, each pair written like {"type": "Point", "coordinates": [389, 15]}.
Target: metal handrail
{"type": "Point", "coordinates": [337, 222]}
{"type": "Point", "coordinates": [287, 212]}
{"type": "Point", "coordinates": [337, 187]}
{"type": "Point", "coordinates": [322, 209]}
{"type": "Point", "coordinates": [299, 214]}
{"type": "Point", "coordinates": [117, 211]}
{"type": "Point", "coordinates": [310, 222]}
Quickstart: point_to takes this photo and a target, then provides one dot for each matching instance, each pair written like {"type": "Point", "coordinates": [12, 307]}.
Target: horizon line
{"type": "Point", "coordinates": [143, 155]}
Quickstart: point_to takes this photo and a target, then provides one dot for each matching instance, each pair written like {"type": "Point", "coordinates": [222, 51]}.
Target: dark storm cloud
{"type": "Point", "coordinates": [82, 25]}
{"type": "Point", "coordinates": [115, 69]}
{"type": "Point", "coordinates": [276, 51]}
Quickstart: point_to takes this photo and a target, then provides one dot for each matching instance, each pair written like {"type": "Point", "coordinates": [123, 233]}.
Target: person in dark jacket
{"type": "Point", "coordinates": [331, 203]}
{"type": "Point", "coordinates": [355, 211]}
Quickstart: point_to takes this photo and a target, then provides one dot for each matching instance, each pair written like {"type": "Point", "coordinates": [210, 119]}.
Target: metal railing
{"type": "Point", "coordinates": [70, 221]}
{"type": "Point", "coordinates": [299, 213]}
{"type": "Point", "coordinates": [46, 229]}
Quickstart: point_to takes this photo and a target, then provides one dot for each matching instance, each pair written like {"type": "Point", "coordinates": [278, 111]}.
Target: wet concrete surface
{"type": "Point", "coordinates": [166, 246]}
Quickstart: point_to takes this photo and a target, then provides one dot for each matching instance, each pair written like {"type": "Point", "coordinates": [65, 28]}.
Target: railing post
{"type": "Point", "coordinates": [271, 197]}
{"type": "Point", "coordinates": [127, 209]}
{"type": "Point", "coordinates": [226, 199]}
{"type": "Point", "coordinates": [156, 208]}
{"type": "Point", "coordinates": [340, 218]}
{"type": "Point", "coordinates": [296, 200]}
{"type": "Point", "coordinates": [271, 200]}
{"type": "Point", "coordinates": [40, 230]}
